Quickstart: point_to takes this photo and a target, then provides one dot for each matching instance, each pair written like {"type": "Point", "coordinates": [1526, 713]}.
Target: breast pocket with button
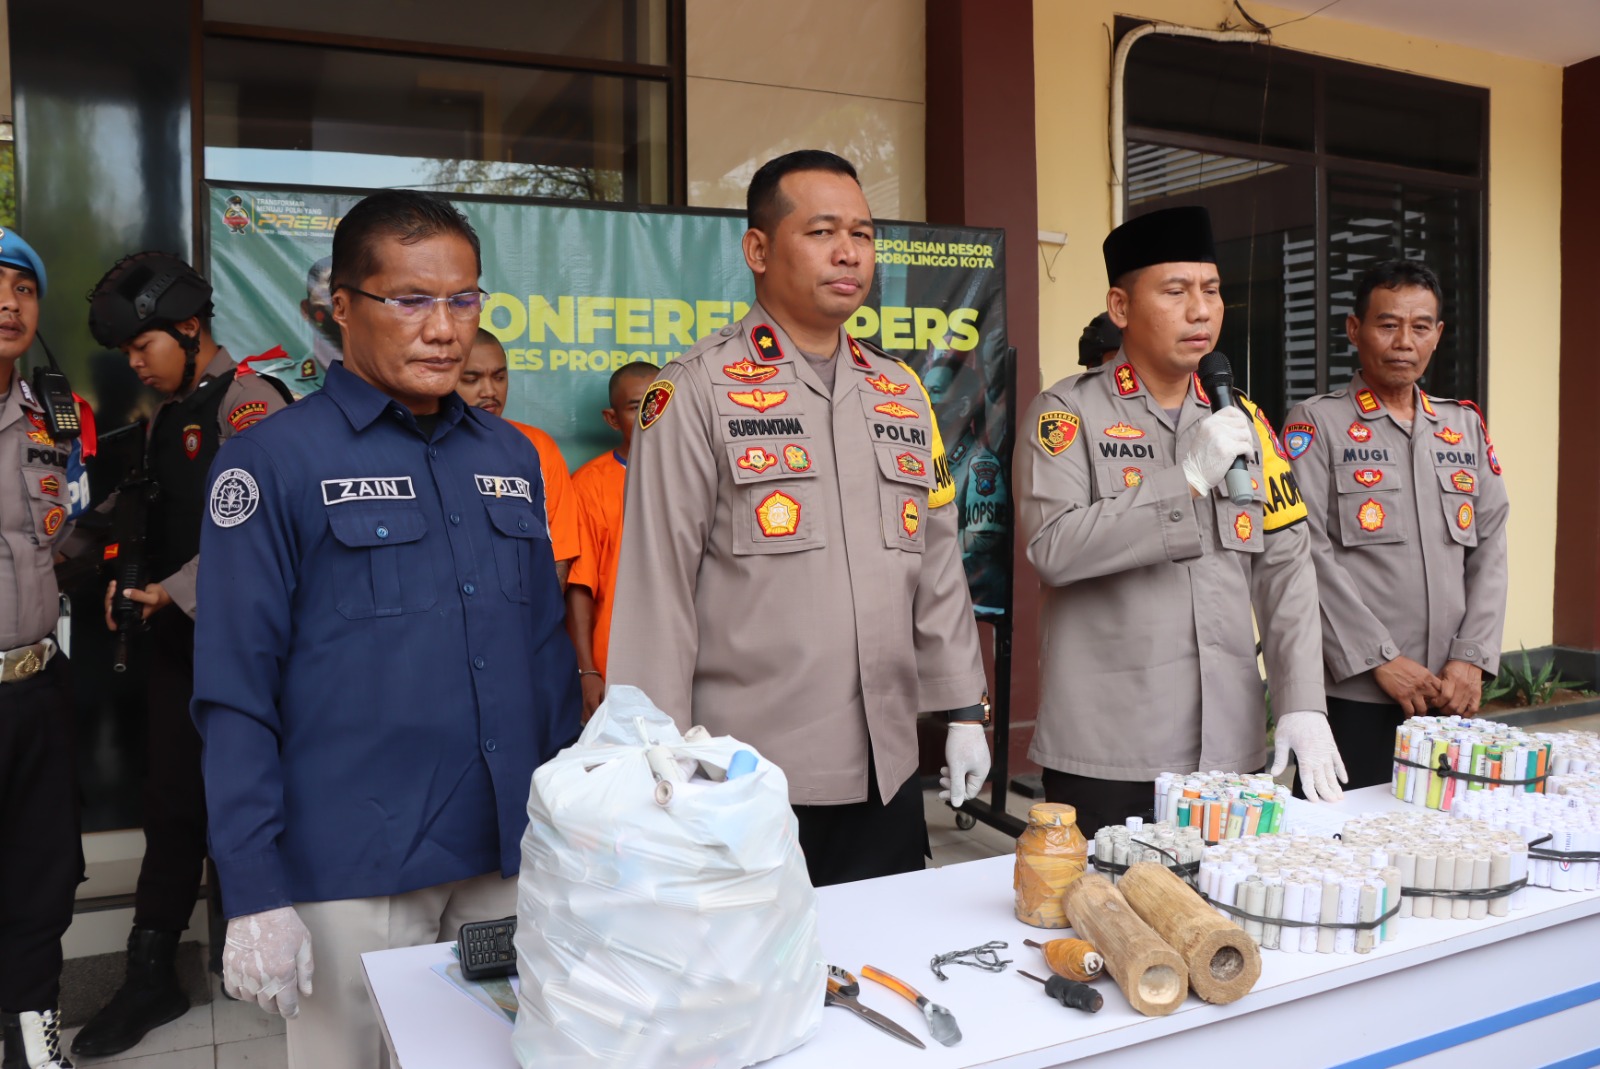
{"type": "Point", "coordinates": [386, 571]}
{"type": "Point", "coordinates": [906, 477]}
{"type": "Point", "coordinates": [1459, 496]}
{"type": "Point", "coordinates": [1368, 504]}
{"type": "Point", "coordinates": [521, 541]}
{"type": "Point", "coordinates": [1239, 527]}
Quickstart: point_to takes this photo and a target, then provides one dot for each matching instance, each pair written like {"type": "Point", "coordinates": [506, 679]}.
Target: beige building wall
{"type": "Point", "coordinates": [769, 76]}
{"type": "Point", "coordinates": [1072, 61]}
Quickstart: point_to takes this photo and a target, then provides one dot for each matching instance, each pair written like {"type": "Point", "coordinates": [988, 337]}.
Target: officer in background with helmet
{"type": "Point", "coordinates": [157, 310]}
{"type": "Point", "coordinates": [41, 854]}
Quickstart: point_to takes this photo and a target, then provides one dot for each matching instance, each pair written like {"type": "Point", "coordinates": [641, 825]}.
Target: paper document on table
{"type": "Point", "coordinates": [498, 997]}
{"type": "Point", "coordinates": [1310, 818]}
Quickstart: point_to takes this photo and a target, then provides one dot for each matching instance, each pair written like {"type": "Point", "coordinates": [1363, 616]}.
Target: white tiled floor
{"type": "Point", "coordinates": [237, 1035]}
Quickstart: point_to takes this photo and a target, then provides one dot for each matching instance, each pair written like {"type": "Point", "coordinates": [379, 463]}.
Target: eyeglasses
{"type": "Point", "coordinates": [465, 305]}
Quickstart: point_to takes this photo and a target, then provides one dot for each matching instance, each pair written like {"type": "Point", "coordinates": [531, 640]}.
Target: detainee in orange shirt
{"type": "Point", "coordinates": [598, 485]}
{"type": "Point", "coordinates": [483, 384]}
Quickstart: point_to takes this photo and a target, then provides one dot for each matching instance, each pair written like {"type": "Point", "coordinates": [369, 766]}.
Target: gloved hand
{"type": "Point", "coordinates": [266, 957]}
{"type": "Point", "coordinates": [966, 752]}
{"type": "Point", "coordinates": [1309, 736]}
{"type": "Point", "coordinates": [1221, 439]}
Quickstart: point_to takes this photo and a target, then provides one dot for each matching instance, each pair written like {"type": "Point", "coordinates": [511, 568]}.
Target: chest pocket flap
{"type": "Point", "coordinates": [1368, 504]}
{"type": "Point", "coordinates": [390, 574]}
{"type": "Point", "coordinates": [1459, 496]}
{"type": "Point", "coordinates": [905, 464]}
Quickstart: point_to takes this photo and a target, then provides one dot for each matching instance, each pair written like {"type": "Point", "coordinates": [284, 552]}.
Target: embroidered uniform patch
{"type": "Point", "coordinates": [778, 515]}
{"type": "Point", "coordinates": [247, 414]}
{"type": "Point", "coordinates": [749, 374]}
{"type": "Point", "coordinates": [895, 409]}
{"type": "Point", "coordinates": [1132, 477]}
{"type": "Point", "coordinates": [1242, 527]}
{"type": "Point", "coordinates": [883, 384]}
{"type": "Point", "coordinates": [1427, 405]}
{"type": "Point", "coordinates": [855, 355]}
{"type": "Point", "coordinates": [756, 459]}
{"type": "Point", "coordinates": [1449, 435]}
{"type": "Point", "coordinates": [234, 497]}
{"type": "Point", "coordinates": [1360, 432]}
{"type": "Point", "coordinates": [1494, 462]}
{"type": "Point", "coordinates": [191, 440]}
{"type": "Point", "coordinates": [796, 458]}
{"type": "Point", "coordinates": [1297, 438]}
{"type": "Point", "coordinates": [1368, 477]}
{"type": "Point", "coordinates": [1272, 435]}
{"type": "Point", "coordinates": [27, 391]}
{"type": "Point", "coordinates": [376, 488]}
{"type": "Point", "coordinates": [488, 486]}
{"type": "Point", "coordinates": [1127, 381]}
{"type": "Point", "coordinates": [910, 518]}
{"type": "Point", "coordinates": [50, 485]}
{"type": "Point", "coordinates": [1123, 430]}
{"type": "Point", "coordinates": [654, 403]}
{"type": "Point", "coordinates": [54, 519]}
{"type": "Point", "coordinates": [41, 438]}
{"type": "Point", "coordinates": [766, 343]}
{"type": "Point", "coordinates": [1370, 515]}
{"type": "Point", "coordinates": [910, 464]}
{"type": "Point", "coordinates": [1057, 431]}
{"type": "Point", "coordinates": [1464, 517]}
{"type": "Point", "coordinates": [1463, 481]}
{"type": "Point", "coordinates": [757, 399]}
{"type": "Point", "coordinates": [1367, 402]}
{"type": "Point", "coordinates": [308, 368]}
{"type": "Point", "coordinates": [1200, 391]}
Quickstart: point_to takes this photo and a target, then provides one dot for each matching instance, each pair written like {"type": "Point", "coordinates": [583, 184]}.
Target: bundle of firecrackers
{"type": "Point", "coordinates": [1438, 759]}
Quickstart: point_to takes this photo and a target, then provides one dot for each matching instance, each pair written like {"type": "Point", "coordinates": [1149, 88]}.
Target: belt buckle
{"type": "Point", "coordinates": [27, 666]}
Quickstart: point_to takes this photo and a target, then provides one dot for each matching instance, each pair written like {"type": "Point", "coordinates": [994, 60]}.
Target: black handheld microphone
{"type": "Point", "coordinates": [1216, 378]}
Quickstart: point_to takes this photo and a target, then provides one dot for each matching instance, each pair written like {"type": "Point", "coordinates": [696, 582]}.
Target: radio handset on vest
{"type": "Point", "coordinates": [54, 394]}
{"type": "Point", "coordinates": [1216, 378]}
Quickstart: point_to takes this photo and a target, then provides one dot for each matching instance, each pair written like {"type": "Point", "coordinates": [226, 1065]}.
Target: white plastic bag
{"type": "Point", "coordinates": [651, 933]}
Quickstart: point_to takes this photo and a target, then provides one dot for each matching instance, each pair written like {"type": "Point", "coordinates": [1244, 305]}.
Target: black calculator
{"type": "Point", "coordinates": [486, 949]}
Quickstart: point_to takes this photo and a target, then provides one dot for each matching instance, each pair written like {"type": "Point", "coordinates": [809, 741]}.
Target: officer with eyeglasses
{"type": "Point", "coordinates": [381, 662]}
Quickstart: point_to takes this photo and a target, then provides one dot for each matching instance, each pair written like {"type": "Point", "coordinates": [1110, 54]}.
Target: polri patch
{"type": "Point", "coordinates": [1127, 381]}
{"type": "Point", "coordinates": [1132, 477]}
{"type": "Point", "coordinates": [796, 459]}
{"type": "Point", "coordinates": [54, 519]}
{"type": "Point", "coordinates": [1367, 401]}
{"type": "Point", "coordinates": [1370, 515]}
{"type": "Point", "coordinates": [1360, 432]}
{"type": "Point", "coordinates": [766, 343]}
{"type": "Point", "coordinates": [1368, 477]}
{"type": "Point", "coordinates": [1464, 516]}
{"type": "Point", "coordinates": [1494, 462]}
{"type": "Point", "coordinates": [778, 515]}
{"type": "Point", "coordinates": [50, 485]}
{"type": "Point", "coordinates": [1242, 527]}
{"type": "Point", "coordinates": [910, 464]}
{"type": "Point", "coordinates": [910, 518]}
{"type": "Point", "coordinates": [1057, 431]}
{"type": "Point", "coordinates": [895, 409]}
{"type": "Point", "coordinates": [234, 497]}
{"type": "Point", "coordinates": [191, 440]}
{"type": "Point", "coordinates": [757, 460]}
{"type": "Point", "coordinates": [758, 399]}
{"type": "Point", "coordinates": [370, 488]}
{"type": "Point", "coordinates": [749, 374]}
{"type": "Point", "coordinates": [247, 414]}
{"type": "Point", "coordinates": [654, 403]}
{"type": "Point", "coordinates": [883, 384]}
{"type": "Point", "coordinates": [1449, 435]}
{"type": "Point", "coordinates": [1123, 430]}
{"type": "Point", "coordinates": [1297, 439]}
{"type": "Point", "coordinates": [1464, 481]}
{"type": "Point", "coordinates": [488, 486]}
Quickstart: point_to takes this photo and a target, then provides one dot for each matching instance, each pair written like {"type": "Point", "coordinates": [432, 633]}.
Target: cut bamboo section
{"type": "Point", "coordinates": [1151, 974]}
{"type": "Point", "coordinates": [1224, 963]}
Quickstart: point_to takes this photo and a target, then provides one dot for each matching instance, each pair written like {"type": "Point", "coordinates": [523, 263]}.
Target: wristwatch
{"type": "Point", "coordinates": [981, 714]}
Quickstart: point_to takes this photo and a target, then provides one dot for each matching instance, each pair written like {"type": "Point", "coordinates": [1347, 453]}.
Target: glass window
{"type": "Point", "coordinates": [302, 114]}
{"type": "Point", "coordinates": [1393, 121]}
{"type": "Point", "coordinates": [1188, 86]}
{"type": "Point", "coordinates": [632, 31]}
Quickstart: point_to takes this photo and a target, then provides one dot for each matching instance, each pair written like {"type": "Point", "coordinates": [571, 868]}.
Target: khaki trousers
{"type": "Point", "coordinates": [337, 1027]}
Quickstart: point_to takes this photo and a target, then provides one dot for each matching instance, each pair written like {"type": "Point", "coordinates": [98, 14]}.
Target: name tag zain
{"type": "Point", "coordinates": [504, 486]}
{"type": "Point", "coordinates": [395, 488]}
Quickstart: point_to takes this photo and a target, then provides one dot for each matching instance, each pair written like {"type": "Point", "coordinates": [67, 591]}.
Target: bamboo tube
{"type": "Point", "coordinates": [1222, 961]}
{"type": "Point", "coordinates": [1149, 972]}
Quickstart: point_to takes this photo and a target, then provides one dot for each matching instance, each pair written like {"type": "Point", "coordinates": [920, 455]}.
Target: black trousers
{"type": "Point", "coordinates": [1364, 733]}
{"type": "Point", "coordinates": [1100, 801]}
{"type": "Point", "coordinates": [863, 840]}
{"type": "Point", "coordinates": [41, 852]}
{"type": "Point", "coordinates": [174, 791]}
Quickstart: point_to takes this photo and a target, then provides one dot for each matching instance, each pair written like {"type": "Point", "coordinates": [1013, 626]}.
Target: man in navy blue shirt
{"type": "Point", "coordinates": [380, 659]}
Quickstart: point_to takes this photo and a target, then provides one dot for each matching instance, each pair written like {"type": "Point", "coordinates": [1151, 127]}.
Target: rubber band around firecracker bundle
{"type": "Point", "coordinates": [1187, 870]}
{"type": "Point", "coordinates": [1447, 772]}
{"type": "Point", "coordinates": [1560, 855]}
{"type": "Point", "coordinates": [1283, 922]}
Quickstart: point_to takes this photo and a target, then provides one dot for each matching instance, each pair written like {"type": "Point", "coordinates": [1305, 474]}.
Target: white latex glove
{"type": "Point", "coordinates": [1221, 438]}
{"type": "Point", "coordinates": [966, 751]}
{"type": "Point", "coordinates": [266, 958]}
{"type": "Point", "coordinates": [1309, 736]}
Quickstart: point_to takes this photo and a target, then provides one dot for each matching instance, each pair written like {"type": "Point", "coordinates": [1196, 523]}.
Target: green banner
{"type": "Point", "coordinates": [576, 291]}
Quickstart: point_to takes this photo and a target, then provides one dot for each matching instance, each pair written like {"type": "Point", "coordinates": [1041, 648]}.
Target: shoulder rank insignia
{"type": "Point", "coordinates": [654, 404]}
{"type": "Point", "coordinates": [910, 518]}
{"type": "Point", "coordinates": [245, 415]}
{"type": "Point", "coordinates": [778, 515]}
{"type": "Point", "coordinates": [749, 374]}
{"type": "Point", "coordinates": [1449, 435]}
{"type": "Point", "coordinates": [757, 460]}
{"type": "Point", "coordinates": [1132, 477]}
{"type": "Point", "coordinates": [1123, 430]}
{"type": "Point", "coordinates": [1370, 515]}
{"type": "Point", "coordinates": [308, 368]}
{"type": "Point", "coordinates": [1367, 401]}
{"type": "Point", "coordinates": [1360, 432]}
{"type": "Point", "coordinates": [27, 391]}
{"type": "Point", "coordinates": [1463, 481]}
{"type": "Point", "coordinates": [1427, 405]}
{"type": "Point", "coordinates": [1127, 381]}
{"type": "Point", "coordinates": [1200, 391]}
{"type": "Point", "coordinates": [884, 385]}
{"type": "Point", "coordinates": [856, 354]}
{"type": "Point", "coordinates": [1368, 477]}
{"type": "Point", "coordinates": [1057, 431]}
{"type": "Point", "coordinates": [758, 400]}
{"type": "Point", "coordinates": [766, 343]}
{"type": "Point", "coordinates": [910, 464]}
{"type": "Point", "coordinates": [1464, 516]}
{"type": "Point", "coordinates": [1242, 527]}
{"type": "Point", "coordinates": [191, 440]}
{"type": "Point", "coordinates": [895, 409]}
{"type": "Point", "coordinates": [796, 458]}
{"type": "Point", "coordinates": [1297, 438]}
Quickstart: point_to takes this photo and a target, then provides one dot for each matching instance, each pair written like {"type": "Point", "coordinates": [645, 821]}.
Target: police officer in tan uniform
{"type": "Point", "coordinates": [41, 856]}
{"type": "Point", "coordinates": [1150, 571]}
{"type": "Point", "coordinates": [790, 573]}
{"type": "Point", "coordinates": [1408, 527]}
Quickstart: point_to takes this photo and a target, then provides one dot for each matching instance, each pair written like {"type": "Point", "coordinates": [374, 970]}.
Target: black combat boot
{"type": "Point", "coordinates": [33, 1041]}
{"type": "Point", "coordinates": [150, 996]}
